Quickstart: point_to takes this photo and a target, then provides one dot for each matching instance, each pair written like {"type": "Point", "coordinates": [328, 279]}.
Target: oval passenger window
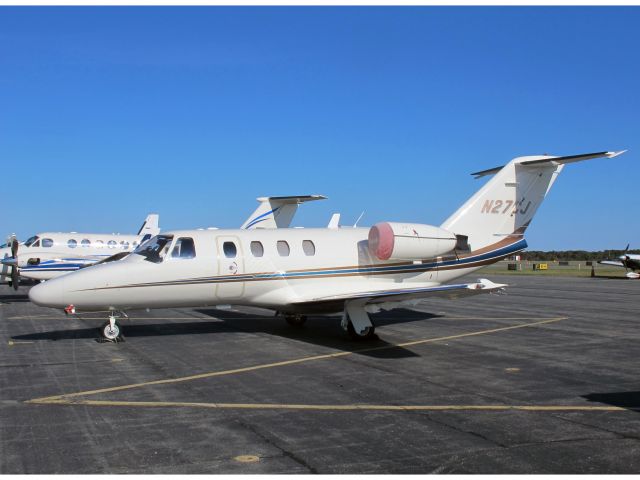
{"type": "Point", "coordinates": [229, 249]}
{"type": "Point", "coordinates": [257, 250]}
{"type": "Point", "coordinates": [283, 248]}
{"type": "Point", "coordinates": [309, 248]}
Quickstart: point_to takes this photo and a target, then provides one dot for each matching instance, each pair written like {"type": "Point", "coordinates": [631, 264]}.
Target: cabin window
{"type": "Point", "coordinates": [283, 248]}
{"type": "Point", "coordinates": [309, 248]}
{"type": "Point", "coordinates": [134, 245]}
{"type": "Point", "coordinates": [112, 243]}
{"type": "Point", "coordinates": [86, 243]}
{"type": "Point", "coordinates": [47, 243]}
{"type": "Point", "coordinates": [230, 250]}
{"type": "Point", "coordinates": [257, 250]}
{"type": "Point", "coordinates": [184, 248]}
{"type": "Point", "coordinates": [99, 244]}
{"type": "Point", "coordinates": [29, 242]}
{"type": "Point", "coordinates": [71, 243]}
{"type": "Point", "coordinates": [125, 245]}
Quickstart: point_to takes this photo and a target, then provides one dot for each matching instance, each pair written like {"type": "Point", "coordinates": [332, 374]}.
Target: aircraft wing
{"type": "Point", "coordinates": [616, 263]}
{"type": "Point", "coordinates": [396, 295]}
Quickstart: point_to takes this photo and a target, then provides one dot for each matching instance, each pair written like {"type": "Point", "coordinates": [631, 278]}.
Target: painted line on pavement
{"type": "Point", "coordinates": [64, 397]}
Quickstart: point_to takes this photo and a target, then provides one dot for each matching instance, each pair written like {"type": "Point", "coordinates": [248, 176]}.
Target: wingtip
{"type": "Point", "coordinates": [615, 154]}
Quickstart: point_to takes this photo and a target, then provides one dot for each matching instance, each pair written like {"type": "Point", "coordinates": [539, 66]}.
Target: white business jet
{"type": "Point", "coordinates": [50, 254]}
{"type": "Point", "coordinates": [629, 261]}
{"type": "Point", "coordinates": [296, 272]}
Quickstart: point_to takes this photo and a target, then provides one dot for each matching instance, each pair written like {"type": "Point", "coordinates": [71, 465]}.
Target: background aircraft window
{"type": "Point", "coordinates": [134, 244]}
{"type": "Point", "coordinates": [85, 242]}
{"type": "Point", "coordinates": [99, 244]}
{"type": "Point", "coordinates": [283, 248]}
{"type": "Point", "coordinates": [112, 243]}
{"type": "Point", "coordinates": [47, 242]}
{"type": "Point", "coordinates": [125, 245]}
{"type": "Point", "coordinates": [29, 242]}
{"type": "Point", "coordinates": [257, 250]}
{"type": "Point", "coordinates": [230, 250]}
{"type": "Point", "coordinates": [309, 248]}
{"type": "Point", "coordinates": [71, 243]}
{"type": "Point", "coordinates": [184, 248]}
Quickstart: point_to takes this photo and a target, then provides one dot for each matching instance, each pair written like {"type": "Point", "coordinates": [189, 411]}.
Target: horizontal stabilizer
{"type": "Point", "coordinates": [545, 160]}
{"type": "Point", "coordinates": [296, 199]}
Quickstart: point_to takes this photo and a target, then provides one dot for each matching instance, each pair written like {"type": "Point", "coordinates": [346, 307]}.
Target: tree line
{"type": "Point", "coordinates": [568, 255]}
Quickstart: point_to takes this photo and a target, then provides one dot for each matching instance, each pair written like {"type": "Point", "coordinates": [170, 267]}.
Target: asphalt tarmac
{"type": "Point", "coordinates": [544, 379]}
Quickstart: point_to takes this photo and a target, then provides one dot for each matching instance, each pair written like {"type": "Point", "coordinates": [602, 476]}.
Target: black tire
{"type": "Point", "coordinates": [370, 333]}
{"type": "Point", "coordinates": [295, 320]}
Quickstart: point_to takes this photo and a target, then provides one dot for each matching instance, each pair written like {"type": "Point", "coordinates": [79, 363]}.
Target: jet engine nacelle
{"type": "Point", "coordinates": [409, 241]}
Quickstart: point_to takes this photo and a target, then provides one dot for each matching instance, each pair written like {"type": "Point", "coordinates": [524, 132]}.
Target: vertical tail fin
{"type": "Point", "coordinates": [150, 225]}
{"type": "Point", "coordinates": [506, 204]}
{"type": "Point", "coordinates": [276, 212]}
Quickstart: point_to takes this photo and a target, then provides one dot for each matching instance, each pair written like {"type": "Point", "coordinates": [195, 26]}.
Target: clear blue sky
{"type": "Point", "coordinates": [107, 114]}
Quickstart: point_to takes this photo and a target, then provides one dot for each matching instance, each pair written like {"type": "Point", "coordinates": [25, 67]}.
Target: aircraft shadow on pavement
{"type": "Point", "coordinates": [628, 400]}
{"type": "Point", "coordinates": [17, 298]}
{"type": "Point", "coordinates": [322, 330]}
{"type": "Point", "coordinates": [318, 330]}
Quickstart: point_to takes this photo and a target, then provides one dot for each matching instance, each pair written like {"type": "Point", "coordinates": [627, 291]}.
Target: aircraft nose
{"type": "Point", "coordinates": [48, 294]}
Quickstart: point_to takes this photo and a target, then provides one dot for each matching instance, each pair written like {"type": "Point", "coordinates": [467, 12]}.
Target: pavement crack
{"type": "Point", "coordinates": [272, 442]}
{"type": "Point", "coordinates": [469, 432]}
{"type": "Point", "coordinates": [602, 429]}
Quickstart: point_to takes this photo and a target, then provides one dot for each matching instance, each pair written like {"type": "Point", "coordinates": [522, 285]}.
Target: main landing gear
{"type": "Point", "coordinates": [295, 320]}
{"type": "Point", "coordinates": [356, 321]}
{"type": "Point", "coordinates": [111, 331]}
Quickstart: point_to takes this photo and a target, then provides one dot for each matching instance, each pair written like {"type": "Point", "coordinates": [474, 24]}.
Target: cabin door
{"type": "Point", "coordinates": [230, 268]}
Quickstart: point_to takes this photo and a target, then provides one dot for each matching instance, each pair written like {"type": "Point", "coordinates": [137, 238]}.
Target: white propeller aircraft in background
{"type": "Point", "coordinates": [50, 254]}
{"type": "Point", "coordinates": [300, 271]}
{"type": "Point", "coordinates": [629, 261]}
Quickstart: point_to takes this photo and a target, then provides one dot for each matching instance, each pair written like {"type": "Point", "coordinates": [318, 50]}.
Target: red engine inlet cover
{"type": "Point", "coordinates": [381, 240]}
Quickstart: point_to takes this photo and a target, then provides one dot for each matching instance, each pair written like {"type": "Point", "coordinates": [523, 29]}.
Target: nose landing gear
{"type": "Point", "coordinates": [111, 330]}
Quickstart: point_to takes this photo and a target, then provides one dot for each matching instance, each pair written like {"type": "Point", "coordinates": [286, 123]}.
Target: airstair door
{"type": "Point", "coordinates": [230, 268]}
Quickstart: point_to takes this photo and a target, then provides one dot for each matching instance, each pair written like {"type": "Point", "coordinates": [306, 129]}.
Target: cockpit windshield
{"type": "Point", "coordinates": [31, 241]}
{"type": "Point", "coordinates": [155, 250]}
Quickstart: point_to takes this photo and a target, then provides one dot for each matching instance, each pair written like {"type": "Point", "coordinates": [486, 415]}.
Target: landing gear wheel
{"type": "Point", "coordinates": [110, 333]}
{"type": "Point", "coordinates": [295, 320]}
{"type": "Point", "coordinates": [369, 333]}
